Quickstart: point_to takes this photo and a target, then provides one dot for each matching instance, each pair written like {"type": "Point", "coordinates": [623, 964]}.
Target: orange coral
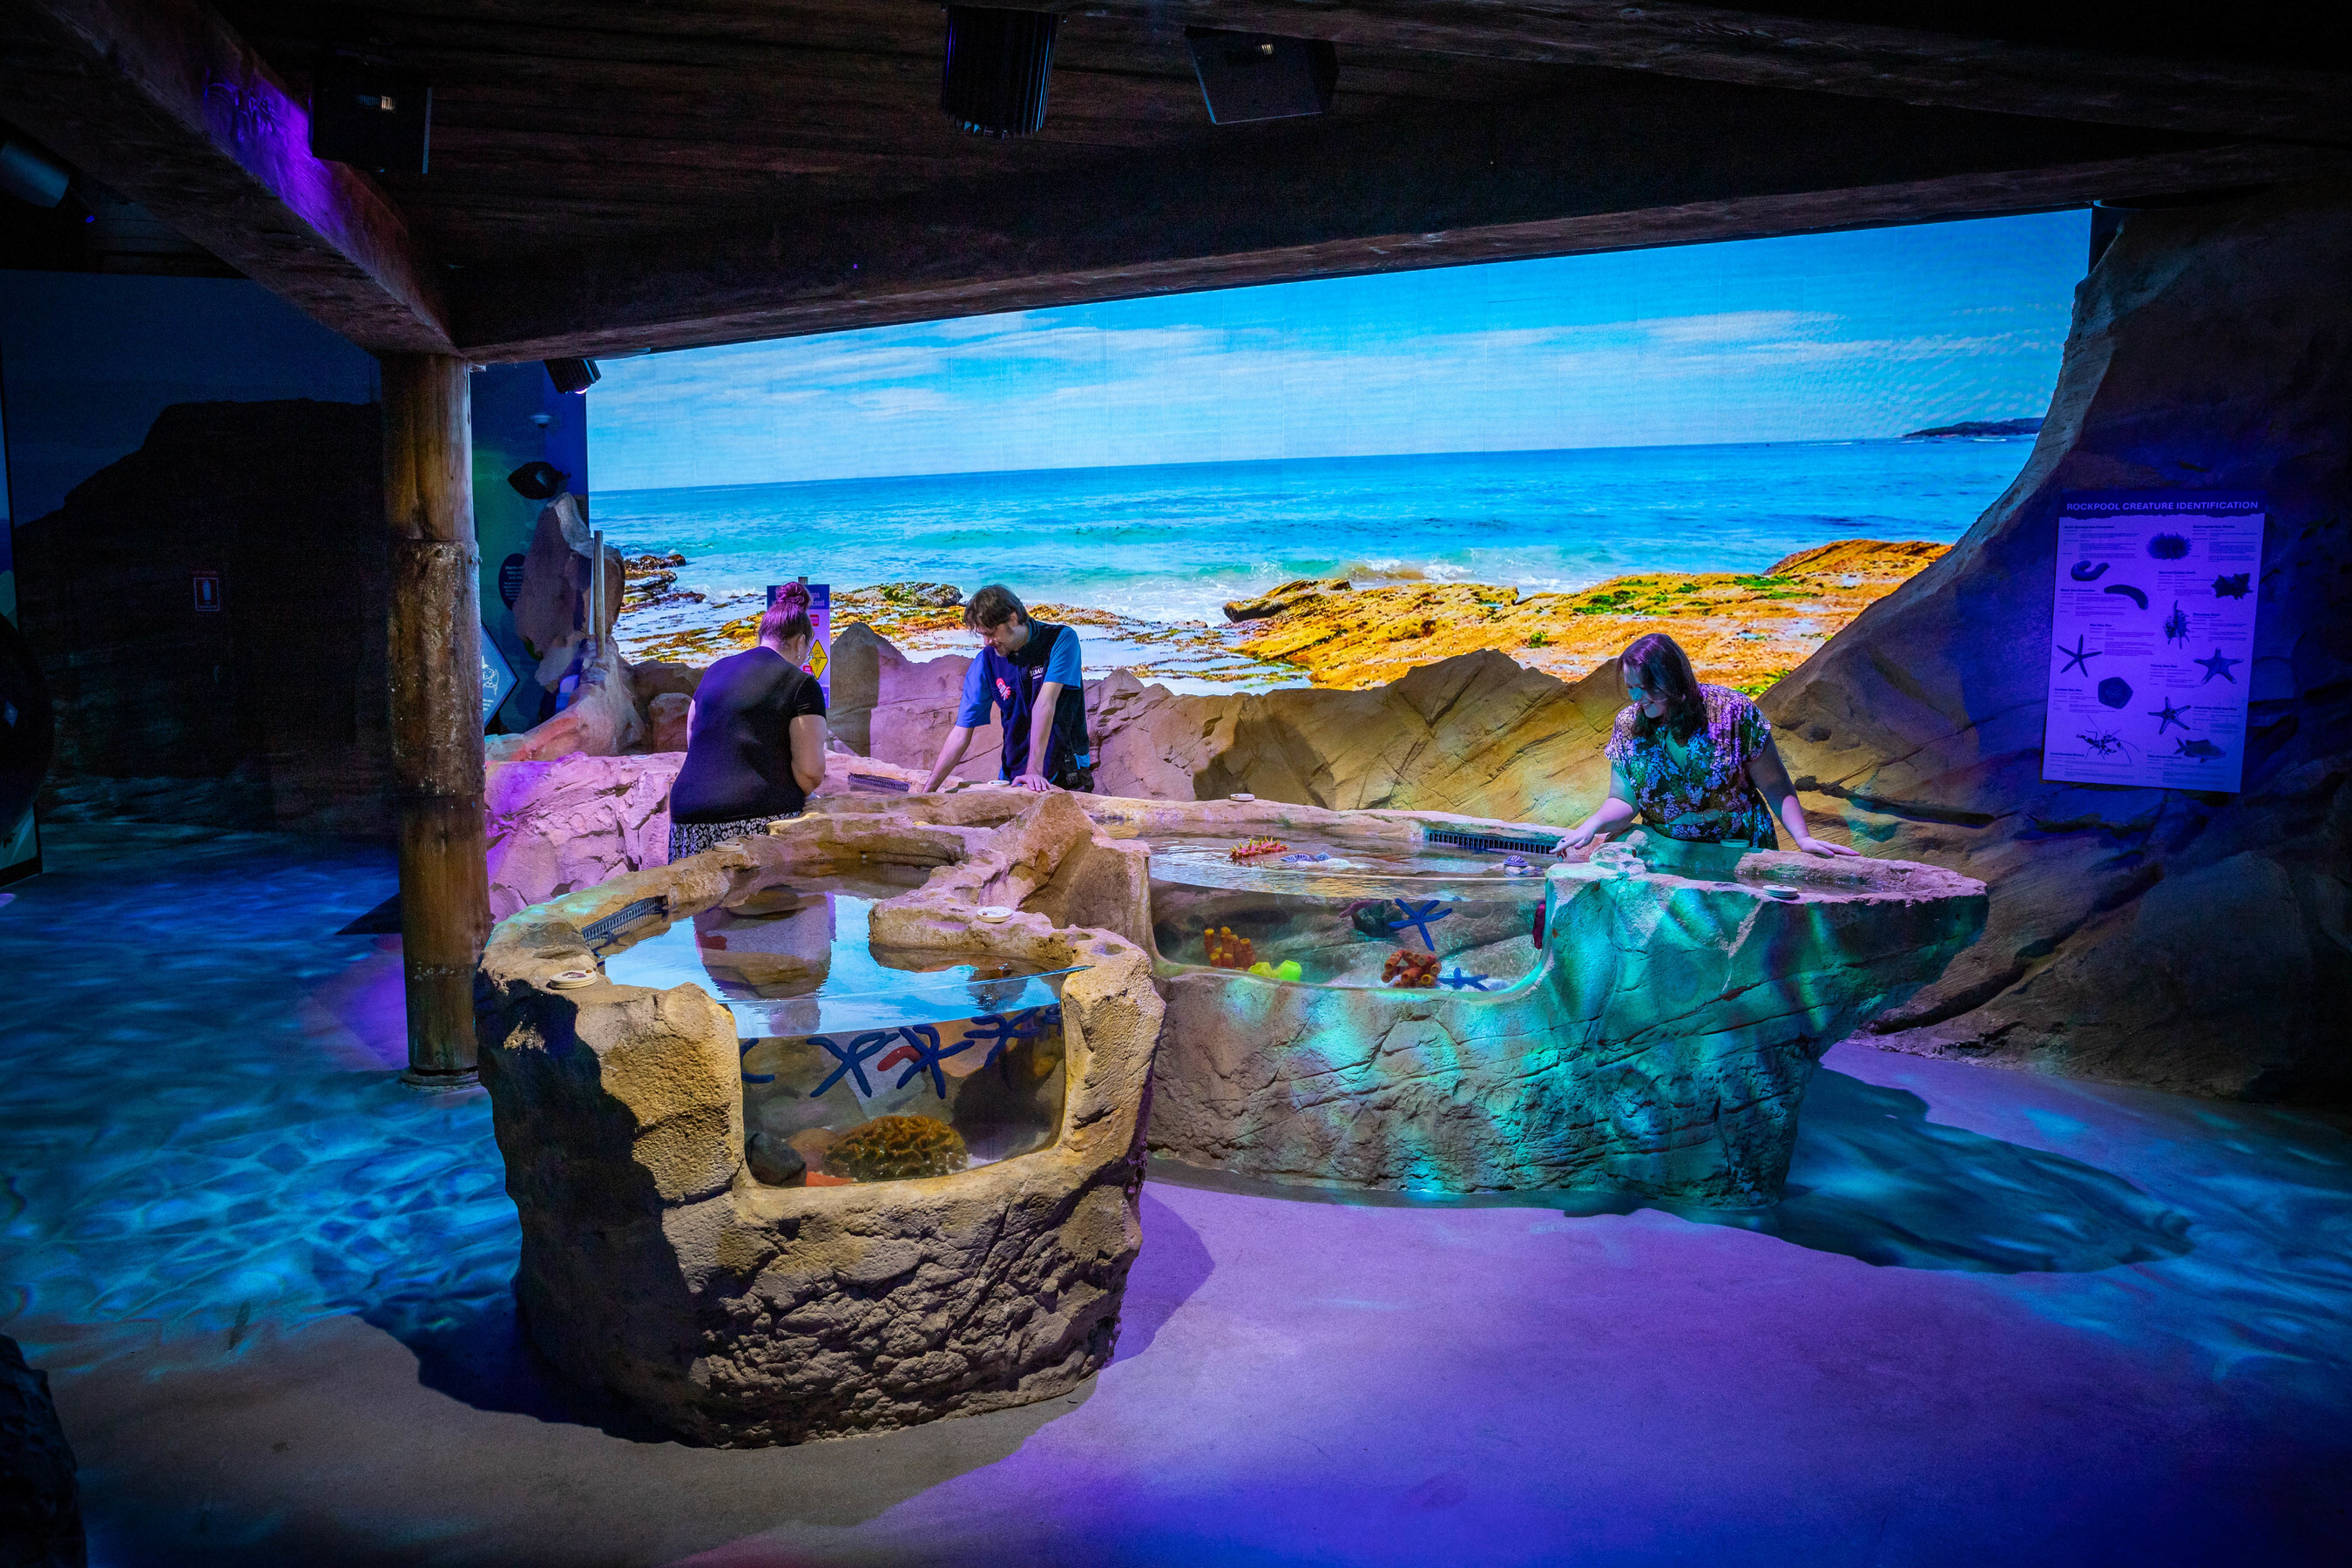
{"type": "Point", "coordinates": [1251, 849]}
{"type": "Point", "coordinates": [1408, 970]}
{"type": "Point", "coordinates": [1227, 951]}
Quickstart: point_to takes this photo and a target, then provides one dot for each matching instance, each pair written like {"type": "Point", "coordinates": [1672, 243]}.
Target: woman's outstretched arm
{"type": "Point", "coordinates": [1770, 777]}
{"type": "Point", "coordinates": [1607, 817]}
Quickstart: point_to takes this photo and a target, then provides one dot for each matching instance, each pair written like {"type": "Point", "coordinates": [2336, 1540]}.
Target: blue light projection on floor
{"type": "Point", "coordinates": [245, 1168]}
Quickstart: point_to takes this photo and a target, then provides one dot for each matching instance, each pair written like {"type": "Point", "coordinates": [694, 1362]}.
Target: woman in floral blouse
{"type": "Point", "coordinates": [1693, 762]}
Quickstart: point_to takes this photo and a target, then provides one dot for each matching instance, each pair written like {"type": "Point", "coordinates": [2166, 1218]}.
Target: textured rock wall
{"type": "Point", "coordinates": [2189, 941]}
{"type": "Point", "coordinates": [556, 825]}
{"type": "Point", "coordinates": [269, 712]}
{"type": "Point", "coordinates": [40, 1498]}
{"type": "Point", "coordinates": [1477, 734]}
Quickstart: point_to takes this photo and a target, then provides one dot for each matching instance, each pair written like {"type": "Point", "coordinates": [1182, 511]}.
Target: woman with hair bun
{"type": "Point", "coordinates": [755, 735]}
{"type": "Point", "coordinates": [1694, 762]}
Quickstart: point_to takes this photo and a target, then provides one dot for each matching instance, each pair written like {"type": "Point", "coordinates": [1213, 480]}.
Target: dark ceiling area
{"type": "Point", "coordinates": [609, 176]}
{"type": "Point", "coordinates": [563, 124]}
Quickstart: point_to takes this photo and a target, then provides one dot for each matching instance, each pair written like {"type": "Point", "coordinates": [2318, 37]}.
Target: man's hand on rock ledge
{"type": "Point", "coordinates": [1034, 783]}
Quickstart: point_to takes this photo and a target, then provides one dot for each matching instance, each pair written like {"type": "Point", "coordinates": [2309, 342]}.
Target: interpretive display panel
{"type": "Point", "coordinates": [2152, 639]}
{"type": "Point", "coordinates": [820, 659]}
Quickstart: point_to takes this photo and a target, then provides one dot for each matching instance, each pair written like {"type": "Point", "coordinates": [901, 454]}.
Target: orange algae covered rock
{"type": "Point", "coordinates": [890, 1148]}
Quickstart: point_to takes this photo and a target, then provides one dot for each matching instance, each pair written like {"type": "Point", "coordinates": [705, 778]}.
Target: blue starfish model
{"type": "Point", "coordinates": [2219, 666]}
{"type": "Point", "coordinates": [744, 1048]}
{"type": "Point", "coordinates": [1420, 918]}
{"type": "Point", "coordinates": [1458, 981]}
{"type": "Point", "coordinates": [1000, 1031]}
{"type": "Point", "coordinates": [2168, 716]}
{"type": "Point", "coordinates": [2076, 658]}
{"type": "Point", "coordinates": [852, 1057]}
{"type": "Point", "coordinates": [923, 1053]}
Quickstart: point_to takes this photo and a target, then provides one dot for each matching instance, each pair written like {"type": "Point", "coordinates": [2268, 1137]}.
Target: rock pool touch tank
{"type": "Point", "coordinates": [1328, 911]}
{"type": "Point", "coordinates": [864, 1062]}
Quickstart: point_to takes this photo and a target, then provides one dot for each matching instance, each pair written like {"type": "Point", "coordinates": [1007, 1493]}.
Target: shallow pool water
{"type": "Point", "coordinates": [864, 1062]}
{"type": "Point", "coordinates": [1360, 913]}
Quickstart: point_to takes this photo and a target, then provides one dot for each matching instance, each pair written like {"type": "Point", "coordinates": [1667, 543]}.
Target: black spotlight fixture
{"type": "Point", "coordinates": [371, 114]}
{"type": "Point", "coordinates": [572, 374]}
{"type": "Point", "coordinates": [1258, 76]}
{"type": "Point", "coordinates": [997, 67]}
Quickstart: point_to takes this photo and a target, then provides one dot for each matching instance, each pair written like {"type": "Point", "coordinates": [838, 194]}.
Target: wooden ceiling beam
{"type": "Point", "coordinates": [2138, 83]}
{"type": "Point", "coordinates": [1619, 162]}
{"type": "Point", "coordinates": [162, 100]}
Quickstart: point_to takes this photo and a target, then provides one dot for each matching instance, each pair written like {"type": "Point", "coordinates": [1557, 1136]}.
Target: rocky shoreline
{"type": "Point", "coordinates": [1742, 630]}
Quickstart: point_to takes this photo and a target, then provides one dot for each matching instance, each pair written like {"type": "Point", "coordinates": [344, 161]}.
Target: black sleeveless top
{"type": "Point", "coordinates": [739, 755]}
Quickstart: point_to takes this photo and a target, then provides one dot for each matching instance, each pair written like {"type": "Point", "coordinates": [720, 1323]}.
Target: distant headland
{"type": "Point", "coordinates": [1978, 428]}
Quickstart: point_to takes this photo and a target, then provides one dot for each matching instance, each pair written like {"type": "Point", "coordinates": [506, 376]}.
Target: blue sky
{"type": "Point", "coordinates": [1820, 337]}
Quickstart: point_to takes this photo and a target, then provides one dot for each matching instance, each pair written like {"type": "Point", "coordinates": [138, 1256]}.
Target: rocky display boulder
{"type": "Point", "coordinates": [2187, 941]}
{"type": "Point", "coordinates": [40, 1496]}
{"type": "Point", "coordinates": [657, 1265]}
{"type": "Point", "coordinates": [557, 825]}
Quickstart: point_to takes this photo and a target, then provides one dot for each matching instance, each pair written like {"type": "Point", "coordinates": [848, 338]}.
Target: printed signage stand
{"type": "Point", "coordinates": [2152, 635]}
{"type": "Point", "coordinates": [820, 659]}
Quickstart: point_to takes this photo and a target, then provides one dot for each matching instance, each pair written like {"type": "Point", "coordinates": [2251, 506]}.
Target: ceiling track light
{"type": "Point", "coordinates": [998, 65]}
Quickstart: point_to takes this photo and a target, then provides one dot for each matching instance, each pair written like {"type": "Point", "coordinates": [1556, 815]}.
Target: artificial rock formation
{"type": "Point", "coordinates": [2186, 941]}
{"type": "Point", "coordinates": [1662, 1049]}
{"type": "Point", "coordinates": [657, 1265]}
{"type": "Point", "coordinates": [40, 1498]}
{"type": "Point", "coordinates": [560, 823]}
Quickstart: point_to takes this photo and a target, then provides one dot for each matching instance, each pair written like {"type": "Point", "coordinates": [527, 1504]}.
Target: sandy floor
{"type": "Point", "coordinates": [2001, 1318]}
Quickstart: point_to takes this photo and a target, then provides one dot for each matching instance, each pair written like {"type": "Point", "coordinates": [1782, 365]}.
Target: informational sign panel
{"type": "Point", "coordinates": [2153, 638]}
{"type": "Point", "coordinates": [820, 659]}
{"type": "Point", "coordinates": [497, 681]}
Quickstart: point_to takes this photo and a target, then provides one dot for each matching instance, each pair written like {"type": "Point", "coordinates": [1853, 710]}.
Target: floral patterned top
{"type": "Point", "coordinates": [1710, 785]}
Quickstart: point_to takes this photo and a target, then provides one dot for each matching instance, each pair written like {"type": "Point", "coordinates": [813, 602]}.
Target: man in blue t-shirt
{"type": "Point", "coordinates": [1029, 671]}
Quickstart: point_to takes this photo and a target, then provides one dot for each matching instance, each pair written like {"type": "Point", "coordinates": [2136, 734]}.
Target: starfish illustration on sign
{"type": "Point", "coordinates": [2219, 666]}
{"type": "Point", "coordinates": [923, 1053]}
{"type": "Point", "coordinates": [852, 1057]}
{"type": "Point", "coordinates": [2168, 716]}
{"type": "Point", "coordinates": [1420, 917]}
{"type": "Point", "coordinates": [2077, 658]}
{"type": "Point", "coordinates": [1458, 981]}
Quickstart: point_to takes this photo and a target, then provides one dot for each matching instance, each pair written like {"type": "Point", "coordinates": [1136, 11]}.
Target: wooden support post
{"type": "Point", "coordinates": [435, 656]}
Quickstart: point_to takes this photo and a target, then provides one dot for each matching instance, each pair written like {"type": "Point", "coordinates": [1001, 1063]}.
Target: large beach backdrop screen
{"type": "Point", "coordinates": [1542, 425]}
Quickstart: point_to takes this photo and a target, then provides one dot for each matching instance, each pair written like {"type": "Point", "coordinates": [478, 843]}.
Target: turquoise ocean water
{"type": "Point", "coordinates": [1174, 543]}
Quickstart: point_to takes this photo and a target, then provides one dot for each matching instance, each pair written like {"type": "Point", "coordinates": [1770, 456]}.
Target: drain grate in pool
{"type": "Point", "coordinates": [1488, 843]}
{"type": "Point", "coordinates": [606, 932]}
